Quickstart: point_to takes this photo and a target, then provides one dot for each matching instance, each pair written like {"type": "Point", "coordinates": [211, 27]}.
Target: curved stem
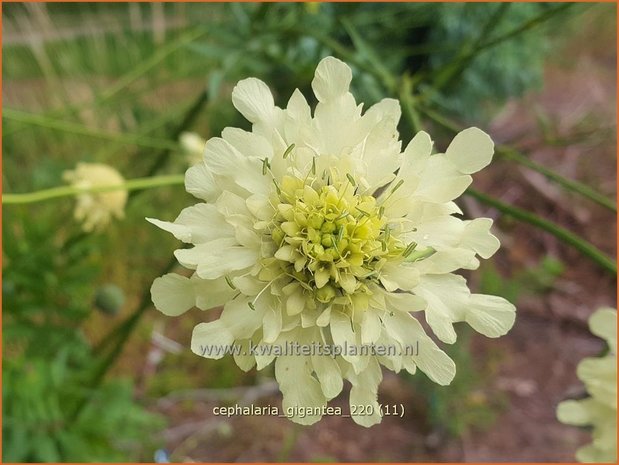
{"type": "Point", "coordinates": [119, 88]}
{"type": "Point", "coordinates": [75, 128]}
{"type": "Point", "coordinates": [560, 233]}
{"type": "Point", "coordinates": [408, 104]}
{"type": "Point", "coordinates": [509, 153]}
{"type": "Point", "coordinates": [120, 335]}
{"type": "Point", "coordinates": [68, 191]}
{"type": "Point", "coordinates": [452, 70]}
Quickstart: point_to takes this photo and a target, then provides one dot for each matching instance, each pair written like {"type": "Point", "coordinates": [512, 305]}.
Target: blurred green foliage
{"type": "Point", "coordinates": [39, 396]}
{"type": "Point", "coordinates": [535, 280]}
{"type": "Point", "coordinates": [513, 67]}
{"type": "Point", "coordinates": [281, 43]}
{"type": "Point", "coordinates": [47, 297]}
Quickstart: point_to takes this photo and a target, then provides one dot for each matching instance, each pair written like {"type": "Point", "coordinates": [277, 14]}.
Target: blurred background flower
{"type": "Point", "coordinates": [95, 209]}
{"type": "Point", "coordinates": [193, 146]}
{"type": "Point", "coordinates": [600, 409]}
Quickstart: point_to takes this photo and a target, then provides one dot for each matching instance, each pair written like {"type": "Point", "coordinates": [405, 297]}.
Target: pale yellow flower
{"type": "Point", "coordinates": [316, 227]}
{"type": "Point", "coordinates": [95, 210]}
{"type": "Point", "coordinates": [193, 147]}
{"type": "Point", "coordinates": [600, 409]}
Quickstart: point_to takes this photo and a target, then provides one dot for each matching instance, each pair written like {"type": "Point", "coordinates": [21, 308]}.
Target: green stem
{"type": "Point", "coordinates": [469, 51]}
{"type": "Point", "coordinates": [120, 334]}
{"type": "Point", "coordinates": [560, 233]}
{"type": "Point", "coordinates": [75, 128]}
{"type": "Point", "coordinates": [569, 184]}
{"type": "Point", "coordinates": [145, 66]}
{"type": "Point", "coordinates": [127, 79]}
{"type": "Point", "coordinates": [509, 153]}
{"type": "Point", "coordinates": [452, 70]}
{"type": "Point", "coordinates": [67, 191]}
{"type": "Point", "coordinates": [344, 52]}
{"type": "Point", "coordinates": [190, 116]}
{"type": "Point", "coordinates": [373, 60]}
{"type": "Point", "coordinates": [532, 23]}
{"type": "Point", "coordinates": [408, 105]}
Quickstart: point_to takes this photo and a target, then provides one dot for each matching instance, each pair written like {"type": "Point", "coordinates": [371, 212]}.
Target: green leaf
{"type": "Point", "coordinates": [45, 449]}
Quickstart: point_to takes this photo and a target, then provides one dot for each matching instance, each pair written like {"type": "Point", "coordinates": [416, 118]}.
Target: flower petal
{"type": "Point", "coordinates": [600, 378]}
{"type": "Point", "coordinates": [399, 276]}
{"type": "Point", "coordinates": [370, 327]}
{"type": "Point", "coordinates": [416, 155]}
{"type": "Point", "coordinates": [211, 293]}
{"type": "Point", "coordinates": [272, 324]}
{"type": "Point", "coordinates": [217, 258]}
{"type": "Point", "coordinates": [441, 181]}
{"type": "Point", "coordinates": [490, 315]}
{"type": "Point", "coordinates": [364, 408]}
{"type": "Point", "coordinates": [478, 237]}
{"type": "Point", "coordinates": [471, 150]}
{"type": "Point", "coordinates": [248, 143]}
{"type": "Point", "coordinates": [172, 294]}
{"type": "Point", "coordinates": [343, 335]}
{"type": "Point", "coordinates": [328, 373]}
{"type": "Point", "coordinates": [603, 323]}
{"type": "Point", "coordinates": [300, 389]}
{"type": "Point", "coordinates": [240, 319]}
{"type": "Point", "coordinates": [197, 224]}
{"type": "Point", "coordinates": [225, 161]}
{"type": "Point", "coordinates": [253, 99]}
{"type": "Point", "coordinates": [210, 340]}
{"type": "Point", "coordinates": [446, 296]}
{"type": "Point", "coordinates": [200, 183]}
{"type": "Point", "coordinates": [575, 412]}
{"type": "Point", "coordinates": [332, 79]}
{"type": "Point", "coordinates": [244, 360]}
{"type": "Point", "coordinates": [435, 363]}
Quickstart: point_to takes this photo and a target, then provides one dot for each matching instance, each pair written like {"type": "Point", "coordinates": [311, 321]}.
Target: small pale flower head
{"type": "Point", "coordinates": [95, 209]}
{"type": "Point", "coordinates": [193, 147]}
{"type": "Point", "coordinates": [600, 409]}
{"type": "Point", "coordinates": [315, 228]}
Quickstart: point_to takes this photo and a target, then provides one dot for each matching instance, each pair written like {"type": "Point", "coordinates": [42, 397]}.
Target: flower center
{"type": "Point", "coordinates": [331, 240]}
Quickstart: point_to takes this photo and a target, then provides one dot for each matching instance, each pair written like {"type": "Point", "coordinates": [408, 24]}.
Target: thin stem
{"type": "Point", "coordinates": [448, 73]}
{"type": "Point", "coordinates": [75, 128]}
{"type": "Point", "coordinates": [569, 184]}
{"type": "Point", "coordinates": [470, 50]}
{"type": "Point", "coordinates": [135, 73]}
{"type": "Point", "coordinates": [190, 116]}
{"type": "Point", "coordinates": [532, 23]}
{"type": "Point", "coordinates": [562, 234]}
{"type": "Point", "coordinates": [510, 153]}
{"type": "Point", "coordinates": [121, 334]}
{"type": "Point", "coordinates": [373, 60]}
{"type": "Point", "coordinates": [67, 191]}
{"type": "Point", "coordinates": [145, 66]}
{"type": "Point", "coordinates": [408, 104]}
{"type": "Point", "coordinates": [345, 53]}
